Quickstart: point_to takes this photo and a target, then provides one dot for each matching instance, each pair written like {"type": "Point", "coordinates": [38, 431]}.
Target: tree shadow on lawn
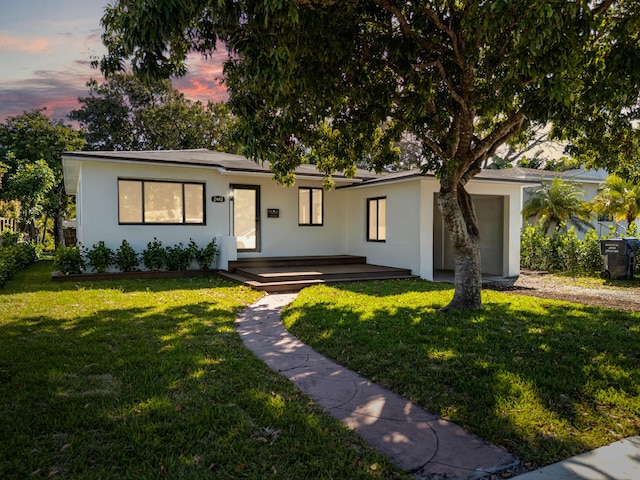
{"type": "Point", "coordinates": [148, 392]}
{"type": "Point", "coordinates": [33, 280]}
{"type": "Point", "coordinates": [545, 379]}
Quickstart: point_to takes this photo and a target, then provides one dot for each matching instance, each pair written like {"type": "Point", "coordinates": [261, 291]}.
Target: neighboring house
{"type": "Point", "coordinates": [391, 219]}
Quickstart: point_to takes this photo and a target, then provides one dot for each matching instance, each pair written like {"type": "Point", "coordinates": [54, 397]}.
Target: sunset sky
{"type": "Point", "coordinates": [46, 47]}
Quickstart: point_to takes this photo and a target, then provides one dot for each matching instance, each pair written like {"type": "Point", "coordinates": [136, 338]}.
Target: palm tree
{"type": "Point", "coordinates": [558, 202]}
{"type": "Point", "coordinates": [618, 198]}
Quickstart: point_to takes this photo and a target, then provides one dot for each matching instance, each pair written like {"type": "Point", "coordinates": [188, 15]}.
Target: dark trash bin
{"type": "Point", "coordinates": [619, 256]}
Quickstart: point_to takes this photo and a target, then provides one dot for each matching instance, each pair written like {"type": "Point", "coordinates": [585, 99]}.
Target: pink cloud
{"type": "Point", "coordinates": [204, 80]}
{"type": "Point", "coordinates": [58, 90]}
{"type": "Point", "coordinates": [31, 45]}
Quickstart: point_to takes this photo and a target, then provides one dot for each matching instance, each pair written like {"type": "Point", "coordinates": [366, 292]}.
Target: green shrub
{"type": "Point", "coordinates": [569, 249]}
{"type": "Point", "coordinates": [205, 256]}
{"type": "Point", "coordinates": [68, 260]}
{"type": "Point", "coordinates": [590, 256]}
{"type": "Point", "coordinates": [8, 238]}
{"type": "Point", "coordinates": [154, 257]}
{"type": "Point", "coordinates": [178, 257]}
{"type": "Point", "coordinates": [100, 257]}
{"type": "Point", "coordinates": [563, 251]}
{"type": "Point", "coordinates": [535, 248]}
{"type": "Point", "coordinates": [126, 258]}
{"type": "Point", "coordinates": [15, 256]}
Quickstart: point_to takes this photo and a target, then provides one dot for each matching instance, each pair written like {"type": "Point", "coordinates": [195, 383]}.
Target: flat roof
{"type": "Point", "coordinates": [231, 163]}
{"type": "Point", "coordinates": [205, 158]}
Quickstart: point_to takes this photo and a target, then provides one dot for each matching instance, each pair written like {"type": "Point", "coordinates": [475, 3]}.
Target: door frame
{"type": "Point", "coordinates": [241, 186]}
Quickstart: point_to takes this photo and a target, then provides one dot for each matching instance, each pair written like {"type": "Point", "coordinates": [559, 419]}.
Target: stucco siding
{"type": "Point", "coordinates": [283, 236]}
{"type": "Point", "coordinates": [402, 246]}
{"type": "Point", "coordinates": [412, 232]}
{"type": "Point", "coordinates": [97, 198]}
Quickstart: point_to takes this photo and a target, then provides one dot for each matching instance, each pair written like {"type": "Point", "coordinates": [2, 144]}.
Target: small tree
{"type": "Point", "coordinates": [618, 198]}
{"type": "Point", "coordinates": [32, 137]}
{"type": "Point", "coordinates": [30, 184]}
{"type": "Point", "coordinates": [558, 202]}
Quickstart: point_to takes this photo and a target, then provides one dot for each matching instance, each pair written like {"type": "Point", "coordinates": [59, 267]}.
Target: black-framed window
{"type": "Point", "coordinates": [310, 206]}
{"type": "Point", "coordinates": [159, 202]}
{"type": "Point", "coordinates": [377, 219]}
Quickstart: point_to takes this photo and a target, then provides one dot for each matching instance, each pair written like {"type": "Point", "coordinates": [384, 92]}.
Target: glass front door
{"type": "Point", "coordinates": [245, 208]}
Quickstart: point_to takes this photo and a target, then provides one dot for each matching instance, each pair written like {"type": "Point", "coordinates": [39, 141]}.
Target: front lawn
{"type": "Point", "coordinates": [148, 379]}
{"type": "Point", "coordinates": [545, 379]}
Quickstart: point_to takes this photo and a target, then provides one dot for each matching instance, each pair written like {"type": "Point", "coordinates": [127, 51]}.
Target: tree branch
{"type": "Point", "coordinates": [602, 7]}
{"type": "Point", "coordinates": [433, 145]}
{"type": "Point", "coordinates": [504, 132]}
{"type": "Point", "coordinates": [443, 75]}
{"type": "Point", "coordinates": [437, 21]}
{"type": "Point", "coordinates": [406, 28]}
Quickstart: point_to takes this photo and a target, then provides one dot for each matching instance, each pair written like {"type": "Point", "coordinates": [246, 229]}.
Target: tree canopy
{"type": "Point", "coordinates": [123, 113]}
{"type": "Point", "coordinates": [29, 143]}
{"type": "Point", "coordinates": [341, 82]}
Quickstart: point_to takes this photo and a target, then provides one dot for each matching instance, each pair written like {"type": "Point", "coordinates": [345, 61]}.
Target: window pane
{"type": "Point", "coordinates": [193, 203]}
{"type": "Point", "coordinates": [129, 201]}
{"type": "Point", "coordinates": [373, 220]}
{"type": "Point", "coordinates": [304, 216]}
{"type": "Point", "coordinates": [316, 206]}
{"type": "Point", "coordinates": [162, 202]}
{"type": "Point", "coordinates": [382, 219]}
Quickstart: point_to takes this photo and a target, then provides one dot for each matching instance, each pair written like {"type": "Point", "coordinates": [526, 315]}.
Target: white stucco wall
{"type": "Point", "coordinates": [410, 216]}
{"type": "Point", "coordinates": [404, 245]}
{"type": "Point", "coordinates": [282, 236]}
{"type": "Point", "coordinates": [411, 211]}
{"type": "Point", "coordinates": [97, 200]}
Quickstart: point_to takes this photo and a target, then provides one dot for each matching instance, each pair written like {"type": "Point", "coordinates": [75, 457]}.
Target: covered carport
{"type": "Point", "coordinates": [490, 212]}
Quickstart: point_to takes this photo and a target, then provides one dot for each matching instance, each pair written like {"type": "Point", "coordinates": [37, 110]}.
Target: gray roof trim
{"type": "Point", "coordinates": [229, 163]}
{"type": "Point", "coordinates": [206, 158]}
{"type": "Point", "coordinates": [484, 175]}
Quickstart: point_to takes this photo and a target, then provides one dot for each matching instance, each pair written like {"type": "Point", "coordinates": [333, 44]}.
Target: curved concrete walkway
{"type": "Point", "coordinates": [415, 440]}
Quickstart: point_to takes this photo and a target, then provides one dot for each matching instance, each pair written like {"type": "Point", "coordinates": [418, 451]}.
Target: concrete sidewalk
{"type": "Point", "coordinates": [415, 440]}
{"type": "Point", "coordinates": [618, 461]}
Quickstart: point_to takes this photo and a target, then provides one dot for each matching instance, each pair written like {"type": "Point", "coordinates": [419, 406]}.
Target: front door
{"type": "Point", "coordinates": [245, 212]}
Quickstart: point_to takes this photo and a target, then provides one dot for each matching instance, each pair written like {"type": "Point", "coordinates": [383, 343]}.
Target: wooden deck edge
{"type": "Point", "coordinates": [296, 261]}
{"type": "Point", "coordinates": [292, 286]}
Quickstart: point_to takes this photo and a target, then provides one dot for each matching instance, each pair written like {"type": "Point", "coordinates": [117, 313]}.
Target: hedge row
{"type": "Point", "coordinates": [155, 257]}
{"type": "Point", "coordinates": [15, 255]}
{"type": "Point", "coordinates": [561, 252]}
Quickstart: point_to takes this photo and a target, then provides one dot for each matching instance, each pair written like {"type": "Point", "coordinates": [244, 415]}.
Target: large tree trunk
{"type": "Point", "coordinates": [460, 218]}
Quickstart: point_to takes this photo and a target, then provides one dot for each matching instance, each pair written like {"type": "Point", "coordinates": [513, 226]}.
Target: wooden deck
{"type": "Point", "coordinates": [287, 274]}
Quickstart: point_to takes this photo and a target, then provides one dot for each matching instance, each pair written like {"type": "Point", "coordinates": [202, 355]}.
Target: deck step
{"type": "Point", "coordinates": [296, 261]}
{"type": "Point", "coordinates": [323, 272]}
{"type": "Point", "coordinates": [297, 285]}
{"type": "Point", "coordinates": [290, 274]}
